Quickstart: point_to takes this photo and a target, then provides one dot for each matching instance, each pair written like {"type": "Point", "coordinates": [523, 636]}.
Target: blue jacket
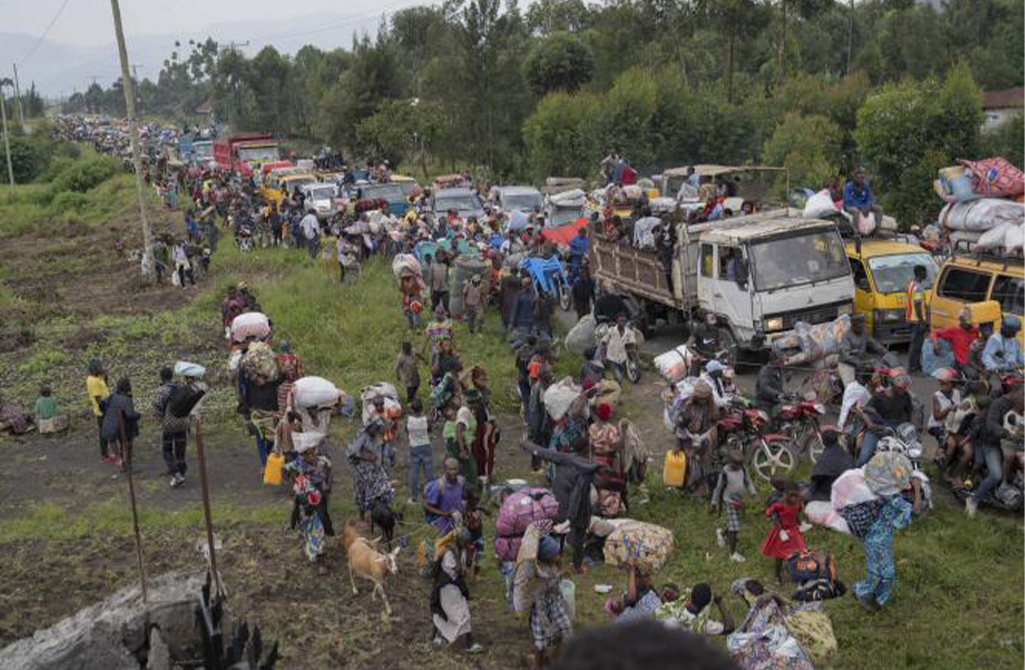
{"type": "Point", "coordinates": [855, 198]}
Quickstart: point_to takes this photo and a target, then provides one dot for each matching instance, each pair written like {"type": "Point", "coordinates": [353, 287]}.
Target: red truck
{"type": "Point", "coordinates": [244, 151]}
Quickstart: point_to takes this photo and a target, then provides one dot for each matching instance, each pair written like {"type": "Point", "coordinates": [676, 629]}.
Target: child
{"type": "Point", "coordinates": [729, 491]}
{"type": "Point", "coordinates": [389, 419]}
{"type": "Point", "coordinates": [406, 371]}
{"type": "Point", "coordinates": [418, 432]}
{"type": "Point", "coordinates": [46, 412]}
{"type": "Point", "coordinates": [784, 536]}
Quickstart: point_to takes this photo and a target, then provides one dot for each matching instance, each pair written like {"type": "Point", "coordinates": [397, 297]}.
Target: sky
{"type": "Point", "coordinates": [89, 23]}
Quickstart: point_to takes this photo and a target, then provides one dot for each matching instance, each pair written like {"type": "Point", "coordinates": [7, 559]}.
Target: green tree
{"type": "Point", "coordinates": [1007, 140]}
{"type": "Point", "coordinates": [559, 136]}
{"type": "Point", "coordinates": [808, 145]}
{"type": "Point", "coordinates": [559, 62]}
{"type": "Point", "coordinates": [401, 129]}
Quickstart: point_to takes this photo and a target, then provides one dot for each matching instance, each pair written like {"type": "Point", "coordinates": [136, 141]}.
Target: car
{"type": "Point", "coordinates": [977, 280]}
{"type": "Point", "coordinates": [395, 193]}
{"type": "Point", "coordinates": [463, 200]}
{"type": "Point", "coordinates": [320, 199]}
{"type": "Point", "coordinates": [510, 198]}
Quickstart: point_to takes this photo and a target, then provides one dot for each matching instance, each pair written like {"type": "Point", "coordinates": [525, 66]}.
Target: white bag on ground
{"type": "Point", "coordinates": [560, 396]}
{"type": "Point", "coordinates": [314, 392]}
{"type": "Point", "coordinates": [580, 338]}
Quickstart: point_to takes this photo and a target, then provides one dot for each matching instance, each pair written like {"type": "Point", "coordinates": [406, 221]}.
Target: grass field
{"type": "Point", "coordinates": [957, 605]}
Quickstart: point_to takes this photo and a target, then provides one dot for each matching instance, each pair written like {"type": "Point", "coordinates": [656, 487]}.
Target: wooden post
{"type": "Point", "coordinates": [204, 486]}
{"type": "Point", "coordinates": [7, 145]}
{"type": "Point", "coordinates": [128, 89]}
{"type": "Point", "coordinates": [126, 462]}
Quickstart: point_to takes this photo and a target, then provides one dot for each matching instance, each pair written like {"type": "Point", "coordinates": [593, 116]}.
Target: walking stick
{"type": "Point", "coordinates": [126, 445]}
{"type": "Point", "coordinates": [201, 455]}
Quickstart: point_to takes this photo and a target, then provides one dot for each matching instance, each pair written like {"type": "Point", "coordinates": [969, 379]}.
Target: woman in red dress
{"type": "Point", "coordinates": [784, 536]}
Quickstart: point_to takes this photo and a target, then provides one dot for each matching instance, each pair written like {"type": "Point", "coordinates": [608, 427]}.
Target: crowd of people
{"type": "Point", "coordinates": [580, 445]}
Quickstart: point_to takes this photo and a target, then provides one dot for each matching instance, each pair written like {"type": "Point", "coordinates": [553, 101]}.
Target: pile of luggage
{"type": "Point", "coordinates": [984, 205]}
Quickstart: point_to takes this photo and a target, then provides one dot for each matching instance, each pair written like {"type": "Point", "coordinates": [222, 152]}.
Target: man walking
{"type": "Point", "coordinates": [916, 316]}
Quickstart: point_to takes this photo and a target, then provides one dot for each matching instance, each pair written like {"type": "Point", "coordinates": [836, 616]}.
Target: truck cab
{"type": "Point", "coordinates": [881, 270]}
{"type": "Point", "coordinates": [758, 274]}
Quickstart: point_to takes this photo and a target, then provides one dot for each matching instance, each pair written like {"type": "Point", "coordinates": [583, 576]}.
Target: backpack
{"type": "Point", "coordinates": [806, 566]}
{"type": "Point", "coordinates": [183, 399]}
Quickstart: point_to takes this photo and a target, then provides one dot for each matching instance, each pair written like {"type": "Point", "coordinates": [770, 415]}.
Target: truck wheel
{"type": "Point", "coordinates": [729, 343]}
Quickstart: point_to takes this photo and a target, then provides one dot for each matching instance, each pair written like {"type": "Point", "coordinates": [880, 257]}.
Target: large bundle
{"type": "Point", "coordinates": [314, 392]}
{"type": "Point", "coordinates": [517, 512]}
{"type": "Point", "coordinates": [259, 361]}
{"type": "Point", "coordinates": [560, 396]}
{"type": "Point", "coordinates": [250, 324]}
{"type": "Point", "coordinates": [675, 364]}
{"type": "Point", "coordinates": [406, 265]}
{"type": "Point", "coordinates": [809, 344]}
{"type": "Point", "coordinates": [639, 544]}
{"type": "Point", "coordinates": [1005, 238]}
{"type": "Point", "coordinates": [995, 177]}
{"type": "Point", "coordinates": [573, 198]}
{"type": "Point", "coordinates": [981, 215]}
{"type": "Point", "coordinates": [580, 338]}
{"type": "Point", "coordinates": [381, 389]}
{"type": "Point", "coordinates": [187, 369]}
{"type": "Point", "coordinates": [466, 267]}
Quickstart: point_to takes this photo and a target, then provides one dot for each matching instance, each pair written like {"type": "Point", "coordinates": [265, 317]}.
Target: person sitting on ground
{"type": "Point", "coordinates": [693, 612]}
{"type": "Point", "coordinates": [640, 601]}
{"type": "Point", "coordinates": [831, 463]}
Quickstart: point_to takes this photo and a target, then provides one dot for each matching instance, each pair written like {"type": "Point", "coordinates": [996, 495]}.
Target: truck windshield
{"type": "Point", "coordinates": [525, 202]}
{"type": "Point", "coordinates": [560, 216]}
{"type": "Point", "coordinates": [321, 193]}
{"type": "Point", "coordinates": [203, 150]}
{"type": "Point", "coordinates": [264, 153]}
{"type": "Point", "coordinates": [461, 203]}
{"type": "Point", "coordinates": [892, 273]}
{"type": "Point", "coordinates": [796, 260]}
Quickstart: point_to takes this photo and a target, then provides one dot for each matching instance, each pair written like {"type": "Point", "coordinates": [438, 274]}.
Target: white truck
{"type": "Point", "coordinates": [759, 274]}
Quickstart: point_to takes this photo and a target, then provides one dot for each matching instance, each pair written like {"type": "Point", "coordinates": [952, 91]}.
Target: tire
{"type": "Point", "coordinates": [564, 298]}
{"type": "Point", "coordinates": [633, 370]}
{"type": "Point", "coordinates": [772, 457]}
{"type": "Point", "coordinates": [812, 445]}
{"type": "Point", "coordinates": [729, 343]}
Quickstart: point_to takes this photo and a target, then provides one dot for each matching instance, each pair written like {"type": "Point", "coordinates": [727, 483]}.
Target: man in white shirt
{"type": "Point", "coordinates": [618, 341]}
{"type": "Point", "coordinates": [311, 232]}
{"type": "Point", "coordinates": [855, 395]}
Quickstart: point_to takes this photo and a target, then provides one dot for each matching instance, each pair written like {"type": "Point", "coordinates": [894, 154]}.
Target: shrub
{"type": "Point", "coordinates": [82, 176]}
{"type": "Point", "coordinates": [68, 201]}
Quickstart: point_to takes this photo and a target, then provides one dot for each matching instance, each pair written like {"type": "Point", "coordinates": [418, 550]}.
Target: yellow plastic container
{"type": "Point", "coordinates": [272, 471]}
{"type": "Point", "coordinates": [675, 468]}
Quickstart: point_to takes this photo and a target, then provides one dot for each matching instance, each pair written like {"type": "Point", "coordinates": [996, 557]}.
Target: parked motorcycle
{"type": "Point", "coordinates": [800, 422]}
{"type": "Point", "coordinates": [743, 428]}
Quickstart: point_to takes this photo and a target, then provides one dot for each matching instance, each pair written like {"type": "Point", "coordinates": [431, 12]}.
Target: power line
{"type": "Point", "coordinates": [332, 25]}
{"type": "Point", "coordinates": [45, 32]}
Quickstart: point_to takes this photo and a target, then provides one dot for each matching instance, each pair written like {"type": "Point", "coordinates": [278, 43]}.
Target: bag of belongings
{"type": "Point", "coordinates": [644, 546]}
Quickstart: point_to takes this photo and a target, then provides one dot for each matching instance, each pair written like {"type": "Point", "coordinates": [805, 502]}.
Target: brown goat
{"type": "Point", "coordinates": [368, 563]}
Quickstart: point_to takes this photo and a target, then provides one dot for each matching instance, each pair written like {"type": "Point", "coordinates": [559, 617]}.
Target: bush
{"type": "Point", "coordinates": [82, 176]}
{"type": "Point", "coordinates": [68, 201]}
{"type": "Point", "coordinates": [808, 145]}
{"type": "Point", "coordinates": [30, 157]}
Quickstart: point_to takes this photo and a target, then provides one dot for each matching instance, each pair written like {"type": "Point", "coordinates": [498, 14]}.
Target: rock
{"type": "Point", "coordinates": [96, 636]}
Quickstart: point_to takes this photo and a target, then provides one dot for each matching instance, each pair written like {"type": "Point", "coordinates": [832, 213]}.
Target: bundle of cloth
{"type": "Point", "coordinates": [984, 205]}
{"type": "Point", "coordinates": [813, 344]}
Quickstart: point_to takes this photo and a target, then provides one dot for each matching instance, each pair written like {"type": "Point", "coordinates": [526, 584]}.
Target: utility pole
{"type": "Point", "coordinates": [7, 145]}
{"type": "Point", "coordinates": [135, 74]}
{"type": "Point", "coordinates": [17, 96]}
{"type": "Point", "coordinates": [128, 89]}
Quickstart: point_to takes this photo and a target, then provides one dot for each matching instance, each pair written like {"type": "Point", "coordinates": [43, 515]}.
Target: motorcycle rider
{"type": "Point", "coordinates": [705, 342]}
{"type": "Point", "coordinates": [855, 345]}
{"type": "Point", "coordinates": [619, 344]}
{"type": "Point", "coordinates": [1002, 352]}
{"type": "Point", "coordinates": [989, 449]}
{"type": "Point", "coordinates": [888, 408]}
{"type": "Point", "coordinates": [769, 391]}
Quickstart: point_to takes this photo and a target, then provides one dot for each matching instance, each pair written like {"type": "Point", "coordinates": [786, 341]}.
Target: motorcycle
{"type": "Point", "coordinates": [743, 428]}
{"type": "Point", "coordinates": [800, 422]}
{"type": "Point", "coordinates": [1010, 495]}
{"type": "Point", "coordinates": [633, 355]}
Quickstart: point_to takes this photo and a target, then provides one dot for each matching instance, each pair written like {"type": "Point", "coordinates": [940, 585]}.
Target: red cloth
{"type": "Point", "coordinates": [561, 235]}
{"type": "Point", "coordinates": [960, 340]}
{"type": "Point", "coordinates": [484, 449]}
{"type": "Point", "coordinates": [774, 546]}
{"type": "Point", "coordinates": [629, 176]}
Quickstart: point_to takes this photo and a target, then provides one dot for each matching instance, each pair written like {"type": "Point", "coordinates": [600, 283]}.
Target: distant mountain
{"type": "Point", "coordinates": [60, 69]}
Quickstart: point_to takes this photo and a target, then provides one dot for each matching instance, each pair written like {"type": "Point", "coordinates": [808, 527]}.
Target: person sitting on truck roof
{"type": "Point", "coordinates": [854, 346]}
{"type": "Point", "coordinates": [858, 198]}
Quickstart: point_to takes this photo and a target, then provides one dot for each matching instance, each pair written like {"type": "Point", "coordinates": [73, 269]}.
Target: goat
{"type": "Point", "coordinates": [368, 563]}
{"type": "Point", "coordinates": [382, 516]}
